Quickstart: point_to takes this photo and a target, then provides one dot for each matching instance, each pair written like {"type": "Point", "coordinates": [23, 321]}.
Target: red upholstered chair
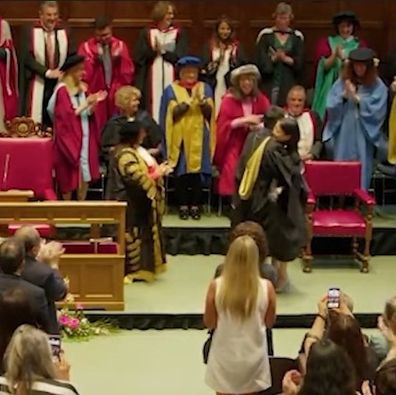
{"type": "Point", "coordinates": [26, 163]}
{"type": "Point", "coordinates": [26, 159]}
{"type": "Point", "coordinates": [341, 179]}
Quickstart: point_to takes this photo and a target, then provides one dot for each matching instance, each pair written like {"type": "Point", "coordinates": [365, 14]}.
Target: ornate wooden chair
{"type": "Point", "coordinates": [338, 179]}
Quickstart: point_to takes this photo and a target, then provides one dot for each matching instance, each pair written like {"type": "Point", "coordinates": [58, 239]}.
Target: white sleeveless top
{"type": "Point", "coordinates": [238, 359]}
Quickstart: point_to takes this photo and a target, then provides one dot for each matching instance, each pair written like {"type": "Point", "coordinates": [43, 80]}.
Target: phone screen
{"type": "Point", "coordinates": [333, 298]}
{"type": "Point", "coordinates": [55, 343]}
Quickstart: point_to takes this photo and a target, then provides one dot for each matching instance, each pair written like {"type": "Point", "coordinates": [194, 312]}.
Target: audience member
{"type": "Point", "coordinates": [9, 94]}
{"type": "Point", "coordinates": [385, 379]}
{"type": "Point", "coordinates": [280, 55]}
{"type": "Point", "coordinates": [76, 147]}
{"type": "Point", "coordinates": [239, 306]}
{"type": "Point", "coordinates": [329, 371]}
{"type": "Point", "coordinates": [40, 274]}
{"type": "Point", "coordinates": [12, 261]}
{"type": "Point", "coordinates": [309, 123]}
{"type": "Point", "coordinates": [157, 51]}
{"type": "Point", "coordinates": [108, 66]}
{"type": "Point", "coordinates": [41, 63]}
{"type": "Point", "coordinates": [330, 54]}
{"type": "Point", "coordinates": [356, 111]}
{"type": "Point", "coordinates": [127, 100]}
{"type": "Point", "coordinates": [340, 326]}
{"type": "Point", "coordinates": [15, 310]}
{"type": "Point", "coordinates": [136, 177]}
{"type": "Point", "coordinates": [273, 193]}
{"type": "Point", "coordinates": [241, 112]}
{"type": "Point", "coordinates": [188, 122]}
{"type": "Point", "coordinates": [256, 232]}
{"type": "Point", "coordinates": [30, 366]}
{"type": "Point", "coordinates": [221, 55]}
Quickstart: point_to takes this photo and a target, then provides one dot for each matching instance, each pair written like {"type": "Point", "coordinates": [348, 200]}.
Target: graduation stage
{"type": "Point", "coordinates": [195, 248]}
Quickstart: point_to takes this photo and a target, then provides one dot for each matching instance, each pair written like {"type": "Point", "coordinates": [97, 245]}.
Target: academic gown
{"type": "Point", "coordinates": [69, 133]}
{"type": "Point", "coordinates": [279, 75]}
{"type": "Point", "coordinates": [283, 217]}
{"type": "Point", "coordinates": [325, 78]}
{"type": "Point", "coordinates": [353, 131]}
{"type": "Point", "coordinates": [189, 142]}
{"type": "Point", "coordinates": [155, 72]}
{"type": "Point", "coordinates": [219, 78]}
{"type": "Point", "coordinates": [122, 73]}
{"type": "Point", "coordinates": [111, 137]}
{"type": "Point", "coordinates": [35, 88]}
{"type": "Point", "coordinates": [230, 140]}
{"type": "Point", "coordinates": [9, 91]}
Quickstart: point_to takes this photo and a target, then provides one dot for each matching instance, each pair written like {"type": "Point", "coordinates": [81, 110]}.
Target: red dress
{"type": "Point", "coordinates": [230, 141]}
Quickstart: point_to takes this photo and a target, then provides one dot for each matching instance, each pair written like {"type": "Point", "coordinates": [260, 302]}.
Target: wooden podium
{"type": "Point", "coordinates": [96, 279]}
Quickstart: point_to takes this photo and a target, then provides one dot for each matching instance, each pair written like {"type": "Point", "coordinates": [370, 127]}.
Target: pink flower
{"type": "Point", "coordinates": [64, 320]}
{"type": "Point", "coordinates": [79, 306]}
{"type": "Point", "coordinates": [74, 323]}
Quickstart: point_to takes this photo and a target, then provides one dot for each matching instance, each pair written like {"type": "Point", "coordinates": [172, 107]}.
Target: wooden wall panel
{"type": "Point", "coordinates": [312, 17]}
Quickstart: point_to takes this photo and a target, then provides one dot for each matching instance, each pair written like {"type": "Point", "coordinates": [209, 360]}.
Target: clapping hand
{"type": "Point", "coordinates": [54, 74]}
{"type": "Point", "coordinates": [253, 120]}
{"type": "Point", "coordinates": [339, 52]}
{"type": "Point", "coordinates": [97, 97]}
{"type": "Point", "coordinates": [350, 89]}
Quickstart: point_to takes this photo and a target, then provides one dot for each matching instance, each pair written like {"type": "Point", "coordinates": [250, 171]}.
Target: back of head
{"type": "Point", "coordinates": [129, 132]}
{"type": "Point", "coordinates": [272, 116]}
{"type": "Point", "coordinates": [329, 371]}
{"type": "Point", "coordinates": [15, 310]}
{"type": "Point", "coordinates": [344, 330]}
{"type": "Point", "coordinates": [29, 237]}
{"type": "Point", "coordinates": [12, 256]}
{"type": "Point", "coordinates": [28, 358]}
{"type": "Point", "coordinates": [256, 232]}
{"type": "Point", "coordinates": [390, 313]}
{"type": "Point", "coordinates": [240, 278]}
{"type": "Point", "coordinates": [385, 379]}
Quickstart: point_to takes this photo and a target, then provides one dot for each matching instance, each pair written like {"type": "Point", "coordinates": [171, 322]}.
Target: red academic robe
{"type": "Point", "coordinates": [68, 141]}
{"type": "Point", "coordinates": [230, 141]}
{"type": "Point", "coordinates": [123, 71]}
{"type": "Point", "coordinates": [8, 72]}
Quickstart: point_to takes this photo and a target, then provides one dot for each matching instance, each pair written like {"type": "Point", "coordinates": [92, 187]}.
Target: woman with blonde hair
{"type": "Point", "coordinates": [127, 100]}
{"type": "Point", "coordinates": [30, 366]}
{"type": "Point", "coordinates": [239, 307]}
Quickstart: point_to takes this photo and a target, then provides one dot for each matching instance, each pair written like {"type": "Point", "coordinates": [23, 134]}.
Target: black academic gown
{"type": "Point", "coordinates": [144, 57]}
{"type": "Point", "coordinates": [29, 67]}
{"type": "Point", "coordinates": [289, 75]}
{"type": "Point", "coordinates": [210, 76]}
{"type": "Point", "coordinates": [283, 219]}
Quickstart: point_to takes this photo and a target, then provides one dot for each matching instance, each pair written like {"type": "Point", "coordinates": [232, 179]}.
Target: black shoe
{"type": "Point", "coordinates": [183, 213]}
{"type": "Point", "coordinates": [195, 213]}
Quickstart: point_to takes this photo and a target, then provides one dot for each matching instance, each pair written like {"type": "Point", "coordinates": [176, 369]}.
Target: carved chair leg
{"type": "Point", "coordinates": [366, 255]}
{"type": "Point", "coordinates": [307, 258]}
{"type": "Point", "coordinates": [355, 246]}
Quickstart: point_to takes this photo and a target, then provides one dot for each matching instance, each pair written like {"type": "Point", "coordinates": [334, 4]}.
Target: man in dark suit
{"type": "Point", "coordinates": [40, 274]}
{"type": "Point", "coordinates": [12, 259]}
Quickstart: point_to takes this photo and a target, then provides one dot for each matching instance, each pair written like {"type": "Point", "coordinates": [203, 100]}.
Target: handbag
{"type": "Point", "coordinates": [206, 346]}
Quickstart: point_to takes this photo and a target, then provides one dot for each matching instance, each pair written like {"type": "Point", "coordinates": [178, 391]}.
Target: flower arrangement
{"type": "Point", "coordinates": [74, 324]}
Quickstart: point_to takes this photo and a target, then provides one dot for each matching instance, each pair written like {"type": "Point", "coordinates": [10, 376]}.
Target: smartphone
{"type": "Point", "coordinates": [333, 298]}
{"type": "Point", "coordinates": [55, 343]}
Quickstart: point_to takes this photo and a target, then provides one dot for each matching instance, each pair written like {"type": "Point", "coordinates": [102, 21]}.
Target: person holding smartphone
{"type": "Point", "coordinates": [241, 113]}
{"type": "Point", "coordinates": [335, 321]}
